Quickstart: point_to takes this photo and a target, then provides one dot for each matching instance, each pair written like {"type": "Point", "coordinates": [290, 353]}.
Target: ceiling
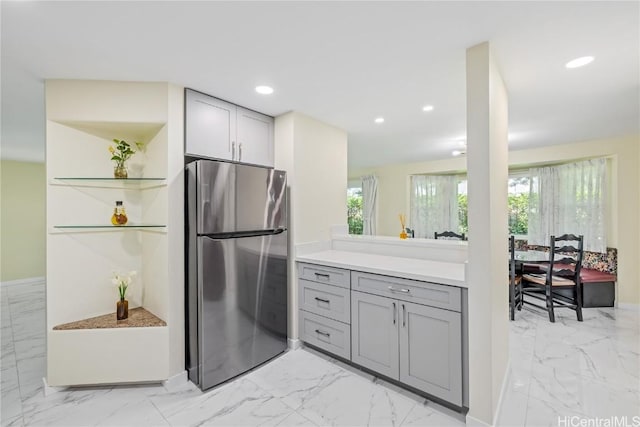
{"type": "Point", "coordinates": [344, 63]}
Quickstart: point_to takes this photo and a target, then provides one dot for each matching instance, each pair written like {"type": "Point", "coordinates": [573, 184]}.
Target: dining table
{"type": "Point", "coordinates": [532, 257]}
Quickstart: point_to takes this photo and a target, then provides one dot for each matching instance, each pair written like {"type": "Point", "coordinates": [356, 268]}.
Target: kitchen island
{"type": "Point", "coordinates": [404, 319]}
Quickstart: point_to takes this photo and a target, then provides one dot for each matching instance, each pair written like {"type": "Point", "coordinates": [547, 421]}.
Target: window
{"type": "Point", "coordinates": [569, 198]}
{"type": "Point", "coordinates": [518, 203]}
{"type": "Point", "coordinates": [434, 204]}
{"type": "Point", "coordinates": [354, 210]}
{"type": "Point", "coordinates": [463, 224]}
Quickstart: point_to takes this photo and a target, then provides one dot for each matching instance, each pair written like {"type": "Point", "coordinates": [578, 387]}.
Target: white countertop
{"type": "Point", "coordinates": [446, 273]}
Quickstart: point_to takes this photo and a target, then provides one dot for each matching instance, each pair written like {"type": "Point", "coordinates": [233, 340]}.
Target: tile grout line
{"type": "Point", "coordinates": [160, 412]}
{"type": "Point", "coordinates": [15, 357]}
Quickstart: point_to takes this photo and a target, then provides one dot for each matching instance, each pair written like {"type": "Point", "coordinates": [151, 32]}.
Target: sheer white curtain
{"type": "Point", "coordinates": [369, 204]}
{"type": "Point", "coordinates": [434, 204]}
{"type": "Point", "coordinates": [569, 198]}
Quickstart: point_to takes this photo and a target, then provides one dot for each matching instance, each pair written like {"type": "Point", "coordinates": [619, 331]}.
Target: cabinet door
{"type": "Point", "coordinates": [374, 333]}
{"type": "Point", "coordinates": [210, 126]}
{"type": "Point", "coordinates": [431, 350]}
{"type": "Point", "coordinates": [255, 138]}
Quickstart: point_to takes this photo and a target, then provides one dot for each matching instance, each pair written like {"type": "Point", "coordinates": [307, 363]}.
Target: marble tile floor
{"type": "Point", "coordinates": [587, 369]}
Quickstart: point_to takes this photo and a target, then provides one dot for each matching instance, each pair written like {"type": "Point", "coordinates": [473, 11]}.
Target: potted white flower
{"type": "Point", "coordinates": [122, 281]}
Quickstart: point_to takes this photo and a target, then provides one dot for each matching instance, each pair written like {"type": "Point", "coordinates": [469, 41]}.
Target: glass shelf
{"type": "Point", "coordinates": [139, 183]}
{"type": "Point", "coordinates": [109, 227]}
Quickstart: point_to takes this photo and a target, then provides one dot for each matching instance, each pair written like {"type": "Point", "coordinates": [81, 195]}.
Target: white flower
{"type": "Point", "coordinates": [123, 282]}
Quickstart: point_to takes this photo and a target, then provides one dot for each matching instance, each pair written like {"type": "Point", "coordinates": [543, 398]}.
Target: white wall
{"type": "Point", "coordinates": [487, 152]}
{"type": "Point", "coordinates": [314, 155]}
{"type": "Point", "coordinates": [623, 224]}
{"type": "Point", "coordinates": [22, 240]}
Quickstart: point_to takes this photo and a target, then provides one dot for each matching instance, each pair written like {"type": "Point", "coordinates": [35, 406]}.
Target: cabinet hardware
{"type": "Point", "coordinates": [326, 334]}
{"type": "Point", "coordinates": [233, 150]}
{"type": "Point", "coordinates": [323, 275]}
{"type": "Point", "coordinates": [404, 316]}
{"type": "Point", "coordinates": [323, 300]}
{"type": "Point", "coordinates": [240, 151]}
{"type": "Point", "coordinates": [404, 291]}
{"type": "Point", "coordinates": [394, 313]}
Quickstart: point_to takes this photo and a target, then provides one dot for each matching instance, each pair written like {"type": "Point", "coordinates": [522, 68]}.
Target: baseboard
{"type": "Point", "coordinates": [294, 344]}
{"type": "Point", "coordinates": [628, 306]}
{"type": "Point", "coordinates": [474, 422]}
{"type": "Point", "coordinates": [27, 281]}
{"type": "Point", "coordinates": [176, 381]}
{"type": "Point", "coordinates": [48, 390]}
{"type": "Point", "coordinates": [471, 421]}
{"type": "Point", "coordinates": [503, 391]}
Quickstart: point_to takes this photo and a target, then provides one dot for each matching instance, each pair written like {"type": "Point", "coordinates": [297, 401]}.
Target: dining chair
{"type": "Point", "coordinates": [562, 273]}
{"type": "Point", "coordinates": [515, 281]}
{"type": "Point", "coordinates": [449, 235]}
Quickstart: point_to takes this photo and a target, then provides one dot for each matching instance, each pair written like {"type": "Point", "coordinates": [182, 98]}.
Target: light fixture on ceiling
{"type": "Point", "coordinates": [579, 62]}
{"type": "Point", "coordinates": [427, 108]}
{"type": "Point", "coordinates": [379, 120]}
{"type": "Point", "coordinates": [264, 90]}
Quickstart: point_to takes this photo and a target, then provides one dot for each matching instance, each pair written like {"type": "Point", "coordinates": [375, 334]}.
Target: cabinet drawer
{"type": "Point", "coordinates": [326, 334]}
{"type": "Point", "coordinates": [432, 294]}
{"type": "Point", "coordinates": [322, 274]}
{"type": "Point", "coordinates": [325, 300]}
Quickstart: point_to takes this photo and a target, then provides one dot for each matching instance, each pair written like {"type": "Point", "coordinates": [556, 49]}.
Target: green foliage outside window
{"type": "Point", "coordinates": [463, 225]}
{"type": "Point", "coordinates": [354, 212]}
{"type": "Point", "coordinates": [518, 213]}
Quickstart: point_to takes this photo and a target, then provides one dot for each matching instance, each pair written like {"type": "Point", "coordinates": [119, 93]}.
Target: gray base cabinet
{"type": "Point", "coordinates": [407, 330]}
{"type": "Point", "coordinates": [431, 350]}
{"type": "Point", "coordinates": [374, 333]}
{"type": "Point", "coordinates": [418, 345]}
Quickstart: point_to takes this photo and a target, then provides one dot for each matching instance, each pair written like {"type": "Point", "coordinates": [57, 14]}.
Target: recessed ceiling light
{"type": "Point", "coordinates": [379, 120]}
{"type": "Point", "coordinates": [427, 108]}
{"type": "Point", "coordinates": [579, 62]}
{"type": "Point", "coordinates": [264, 90]}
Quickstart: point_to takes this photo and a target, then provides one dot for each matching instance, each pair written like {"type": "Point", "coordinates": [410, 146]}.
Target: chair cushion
{"type": "Point", "coordinates": [541, 279]}
{"type": "Point", "coordinates": [517, 280]}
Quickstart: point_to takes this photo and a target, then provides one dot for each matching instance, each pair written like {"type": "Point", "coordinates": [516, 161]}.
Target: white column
{"type": "Point", "coordinates": [487, 173]}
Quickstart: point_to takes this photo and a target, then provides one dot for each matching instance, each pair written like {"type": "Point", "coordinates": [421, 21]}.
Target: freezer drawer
{"type": "Point", "coordinates": [239, 327]}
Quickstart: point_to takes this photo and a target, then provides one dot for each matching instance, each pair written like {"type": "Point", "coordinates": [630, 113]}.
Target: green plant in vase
{"type": "Point", "coordinates": [121, 153]}
{"type": "Point", "coordinates": [122, 282]}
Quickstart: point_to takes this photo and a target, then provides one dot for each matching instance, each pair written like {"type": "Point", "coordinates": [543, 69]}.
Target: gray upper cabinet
{"type": "Point", "coordinates": [217, 129]}
{"type": "Point", "coordinates": [210, 126]}
{"type": "Point", "coordinates": [374, 333]}
{"type": "Point", "coordinates": [255, 138]}
{"type": "Point", "coordinates": [431, 350]}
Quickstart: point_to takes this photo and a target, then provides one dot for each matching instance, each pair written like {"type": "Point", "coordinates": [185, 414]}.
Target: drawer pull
{"type": "Point", "coordinates": [323, 300]}
{"type": "Point", "coordinates": [326, 276]}
{"type": "Point", "coordinates": [404, 316]}
{"type": "Point", "coordinates": [394, 313]}
{"type": "Point", "coordinates": [404, 291]}
{"type": "Point", "coordinates": [326, 334]}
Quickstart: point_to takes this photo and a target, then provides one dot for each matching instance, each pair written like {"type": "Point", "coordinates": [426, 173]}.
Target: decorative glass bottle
{"type": "Point", "coordinates": [119, 216]}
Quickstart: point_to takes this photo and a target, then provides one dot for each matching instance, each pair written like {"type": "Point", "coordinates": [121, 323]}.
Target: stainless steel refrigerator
{"type": "Point", "coordinates": [237, 269]}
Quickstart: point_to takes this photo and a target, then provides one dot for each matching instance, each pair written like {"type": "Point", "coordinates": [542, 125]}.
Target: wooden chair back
{"type": "Point", "coordinates": [449, 235]}
{"type": "Point", "coordinates": [566, 252]}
